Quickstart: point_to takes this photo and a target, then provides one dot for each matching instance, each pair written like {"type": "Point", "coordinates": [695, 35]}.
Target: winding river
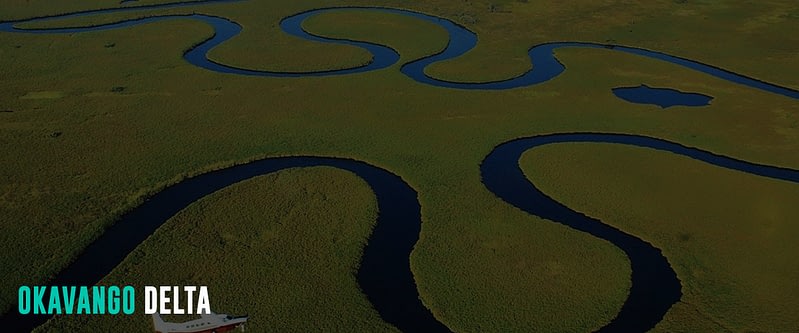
{"type": "Point", "coordinates": [655, 284]}
{"type": "Point", "coordinates": [384, 275]}
{"type": "Point", "coordinates": [545, 66]}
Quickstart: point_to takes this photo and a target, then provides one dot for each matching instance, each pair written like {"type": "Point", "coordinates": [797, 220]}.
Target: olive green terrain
{"type": "Point", "coordinates": [101, 120]}
{"type": "Point", "coordinates": [309, 223]}
{"type": "Point", "coordinates": [729, 236]}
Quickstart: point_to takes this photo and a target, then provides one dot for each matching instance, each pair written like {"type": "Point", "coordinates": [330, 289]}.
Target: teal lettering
{"type": "Point", "coordinates": [69, 299]}
{"type": "Point", "coordinates": [24, 303]}
{"type": "Point", "coordinates": [38, 300]}
{"type": "Point", "coordinates": [83, 301]}
{"type": "Point", "coordinates": [60, 300]}
{"type": "Point", "coordinates": [113, 300]}
{"type": "Point", "coordinates": [98, 300]}
{"type": "Point", "coordinates": [128, 297]}
{"type": "Point", "coordinates": [55, 301]}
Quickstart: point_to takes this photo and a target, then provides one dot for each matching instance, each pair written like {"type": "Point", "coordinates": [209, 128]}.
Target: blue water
{"type": "Point", "coordinates": [385, 275]}
{"type": "Point", "coordinates": [655, 286]}
{"type": "Point", "coordinates": [545, 66]}
{"type": "Point", "coordinates": [663, 97]}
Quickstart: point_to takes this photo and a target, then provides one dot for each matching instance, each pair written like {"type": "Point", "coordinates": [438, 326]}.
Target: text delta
{"type": "Point", "coordinates": [156, 300]}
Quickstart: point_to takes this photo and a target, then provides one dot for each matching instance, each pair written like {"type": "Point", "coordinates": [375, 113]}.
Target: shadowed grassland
{"type": "Point", "coordinates": [481, 265]}
{"type": "Point", "coordinates": [282, 248]}
{"type": "Point", "coordinates": [729, 236]}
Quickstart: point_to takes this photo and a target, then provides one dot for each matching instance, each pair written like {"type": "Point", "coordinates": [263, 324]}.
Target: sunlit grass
{"type": "Point", "coordinates": [727, 234]}
{"type": "Point", "coordinates": [481, 265]}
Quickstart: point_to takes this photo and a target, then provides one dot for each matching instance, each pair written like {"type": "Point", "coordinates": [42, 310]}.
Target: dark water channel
{"type": "Point", "coordinates": [385, 275]}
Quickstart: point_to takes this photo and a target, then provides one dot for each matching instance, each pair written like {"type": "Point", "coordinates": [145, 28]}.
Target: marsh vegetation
{"type": "Point", "coordinates": [480, 264]}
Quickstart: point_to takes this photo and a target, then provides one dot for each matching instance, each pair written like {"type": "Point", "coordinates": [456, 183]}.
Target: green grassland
{"type": "Point", "coordinates": [282, 248]}
{"type": "Point", "coordinates": [729, 236]}
{"type": "Point", "coordinates": [78, 151]}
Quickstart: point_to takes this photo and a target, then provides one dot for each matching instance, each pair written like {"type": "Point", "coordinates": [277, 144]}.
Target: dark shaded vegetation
{"type": "Point", "coordinates": [481, 265]}
{"type": "Point", "coordinates": [733, 253]}
{"type": "Point", "coordinates": [283, 248]}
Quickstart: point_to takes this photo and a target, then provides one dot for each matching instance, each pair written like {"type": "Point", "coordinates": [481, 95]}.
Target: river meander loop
{"type": "Point", "coordinates": [545, 66]}
{"type": "Point", "coordinates": [655, 286]}
{"type": "Point", "coordinates": [385, 275]}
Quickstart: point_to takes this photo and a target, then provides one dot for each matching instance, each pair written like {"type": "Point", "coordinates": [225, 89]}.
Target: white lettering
{"type": "Point", "coordinates": [190, 297]}
{"type": "Point", "coordinates": [203, 304]}
{"type": "Point", "coordinates": [164, 300]}
{"type": "Point", "coordinates": [150, 294]}
{"type": "Point", "coordinates": [176, 305]}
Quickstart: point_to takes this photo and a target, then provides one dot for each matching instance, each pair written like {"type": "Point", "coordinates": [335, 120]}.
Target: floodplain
{"type": "Point", "coordinates": [100, 121]}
